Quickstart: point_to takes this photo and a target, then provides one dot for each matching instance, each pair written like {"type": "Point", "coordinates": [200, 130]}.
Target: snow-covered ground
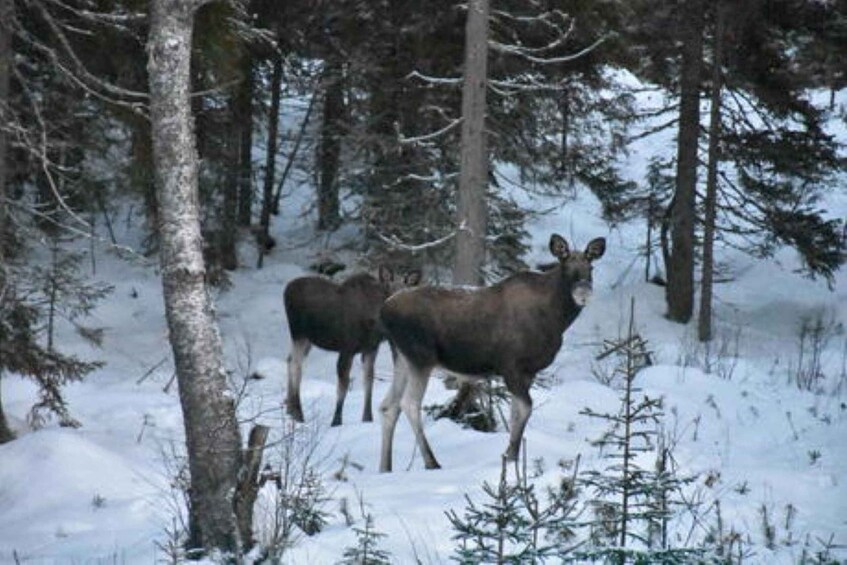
{"type": "Point", "coordinates": [102, 492]}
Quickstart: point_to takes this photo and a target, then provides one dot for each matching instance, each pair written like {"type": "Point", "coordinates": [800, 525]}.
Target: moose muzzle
{"type": "Point", "coordinates": [581, 292]}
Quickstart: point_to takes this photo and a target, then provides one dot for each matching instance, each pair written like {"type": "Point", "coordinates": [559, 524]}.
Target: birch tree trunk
{"type": "Point", "coordinates": [211, 429]}
{"type": "Point", "coordinates": [6, 13]}
{"type": "Point", "coordinates": [680, 267]}
{"type": "Point", "coordinates": [704, 321]}
{"type": "Point", "coordinates": [473, 178]}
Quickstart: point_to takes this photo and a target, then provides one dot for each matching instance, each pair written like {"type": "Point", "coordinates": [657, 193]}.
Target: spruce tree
{"type": "Point", "coordinates": [515, 525]}
{"type": "Point", "coordinates": [632, 503]}
{"type": "Point", "coordinates": [367, 550]}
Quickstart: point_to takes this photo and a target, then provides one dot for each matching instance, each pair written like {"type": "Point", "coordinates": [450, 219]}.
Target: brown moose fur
{"type": "Point", "coordinates": [337, 317]}
{"type": "Point", "coordinates": [513, 329]}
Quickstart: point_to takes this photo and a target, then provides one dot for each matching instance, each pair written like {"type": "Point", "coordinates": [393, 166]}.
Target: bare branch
{"type": "Point", "coordinates": [90, 82]}
{"type": "Point", "coordinates": [117, 19]}
{"type": "Point", "coordinates": [45, 161]}
{"type": "Point", "coordinates": [78, 232]}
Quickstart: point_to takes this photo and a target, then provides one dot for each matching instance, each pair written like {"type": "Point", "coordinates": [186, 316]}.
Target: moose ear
{"type": "Point", "coordinates": [595, 248]}
{"type": "Point", "coordinates": [558, 246]}
{"type": "Point", "coordinates": [386, 275]}
{"type": "Point", "coordinates": [413, 278]}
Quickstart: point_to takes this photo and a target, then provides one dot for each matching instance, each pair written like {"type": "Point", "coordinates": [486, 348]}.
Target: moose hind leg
{"type": "Point", "coordinates": [411, 405]}
{"type": "Point", "coordinates": [345, 361]}
{"type": "Point", "coordinates": [368, 361]}
{"type": "Point", "coordinates": [390, 409]}
{"type": "Point", "coordinates": [521, 409]}
{"type": "Point", "coordinates": [299, 350]}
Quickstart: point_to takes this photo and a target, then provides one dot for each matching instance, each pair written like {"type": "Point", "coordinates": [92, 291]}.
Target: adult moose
{"type": "Point", "coordinates": [513, 329]}
{"type": "Point", "coordinates": [338, 317]}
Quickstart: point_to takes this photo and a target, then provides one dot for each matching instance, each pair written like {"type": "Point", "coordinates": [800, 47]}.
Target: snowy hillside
{"type": "Point", "coordinates": [102, 493]}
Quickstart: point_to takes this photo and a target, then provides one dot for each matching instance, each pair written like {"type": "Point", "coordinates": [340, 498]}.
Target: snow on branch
{"type": "Point", "coordinates": [395, 243]}
{"type": "Point", "coordinates": [527, 53]}
{"type": "Point", "coordinates": [547, 19]}
{"type": "Point", "coordinates": [511, 87]}
{"type": "Point", "coordinates": [430, 178]}
{"type": "Point", "coordinates": [429, 136]}
{"type": "Point", "coordinates": [117, 18]}
{"type": "Point", "coordinates": [435, 80]}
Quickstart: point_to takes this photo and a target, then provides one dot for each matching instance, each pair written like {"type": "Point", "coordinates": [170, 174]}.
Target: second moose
{"type": "Point", "coordinates": [338, 317]}
{"type": "Point", "coordinates": [513, 329]}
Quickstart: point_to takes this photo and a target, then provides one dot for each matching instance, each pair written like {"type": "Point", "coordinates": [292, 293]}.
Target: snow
{"type": "Point", "coordinates": [103, 491]}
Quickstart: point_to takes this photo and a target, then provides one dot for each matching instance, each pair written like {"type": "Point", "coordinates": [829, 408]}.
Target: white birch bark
{"type": "Point", "coordinates": [211, 429]}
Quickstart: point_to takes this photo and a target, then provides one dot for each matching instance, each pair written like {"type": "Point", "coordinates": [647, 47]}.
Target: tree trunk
{"type": "Point", "coordinates": [473, 179]}
{"type": "Point", "coordinates": [6, 13]}
{"type": "Point", "coordinates": [329, 151]}
{"type": "Point", "coordinates": [229, 213]}
{"type": "Point", "coordinates": [211, 429]}
{"type": "Point", "coordinates": [292, 157]}
{"type": "Point", "coordinates": [244, 125]}
{"type": "Point", "coordinates": [680, 268]}
{"type": "Point", "coordinates": [704, 322]}
{"type": "Point", "coordinates": [141, 176]}
{"type": "Point", "coordinates": [270, 161]}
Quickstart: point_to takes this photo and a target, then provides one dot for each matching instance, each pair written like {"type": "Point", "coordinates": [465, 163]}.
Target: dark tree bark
{"type": "Point", "coordinates": [229, 212]}
{"type": "Point", "coordinates": [211, 429]}
{"type": "Point", "coordinates": [329, 150]}
{"type": "Point", "coordinates": [141, 171]}
{"type": "Point", "coordinates": [704, 321]}
{"type": "Point", "coordinates": [6, 12]}
{"type": "Point", "coordinates": [473, 177]}
{"type": "Point", "coordinates": [244, 124]}
{"type": "Point", "coordinates": [680, 289]}
{"type": "Point", "coordinates": [270, 160]}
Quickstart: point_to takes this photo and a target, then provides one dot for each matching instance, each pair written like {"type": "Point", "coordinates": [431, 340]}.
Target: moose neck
{"type": "Point", "coordinates": [563, 300]}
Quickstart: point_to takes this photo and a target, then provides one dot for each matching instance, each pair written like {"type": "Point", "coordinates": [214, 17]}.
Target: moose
{"type": "Point", "coordinates": [338, 317]}
{"type": "Point", "coordinates": [513, 329]}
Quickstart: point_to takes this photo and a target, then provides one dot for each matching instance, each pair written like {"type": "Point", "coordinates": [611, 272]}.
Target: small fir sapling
{"type": "Point", "coordinates": [32, 299]}
{"type": "Point", "coordinates": [633, 503]}
{"type": "Point", "coordinates": [367, 550]}
{"type": "Point", "coordinates": [513, 525]}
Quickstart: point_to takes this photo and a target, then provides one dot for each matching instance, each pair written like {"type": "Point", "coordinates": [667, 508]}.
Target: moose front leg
{"type": "Point", "coordinates": [410, 403]}
{"type": "Point", "coordinates": [390, 409]}
{"type": "Point", "coordinates": [299, 350]}
{"type": "Point", "coordinates": [345, 361]}
{"type": "Point", "coordinates": [521, 409]}
{"type": "Point", "coordinates": [368, 361]}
